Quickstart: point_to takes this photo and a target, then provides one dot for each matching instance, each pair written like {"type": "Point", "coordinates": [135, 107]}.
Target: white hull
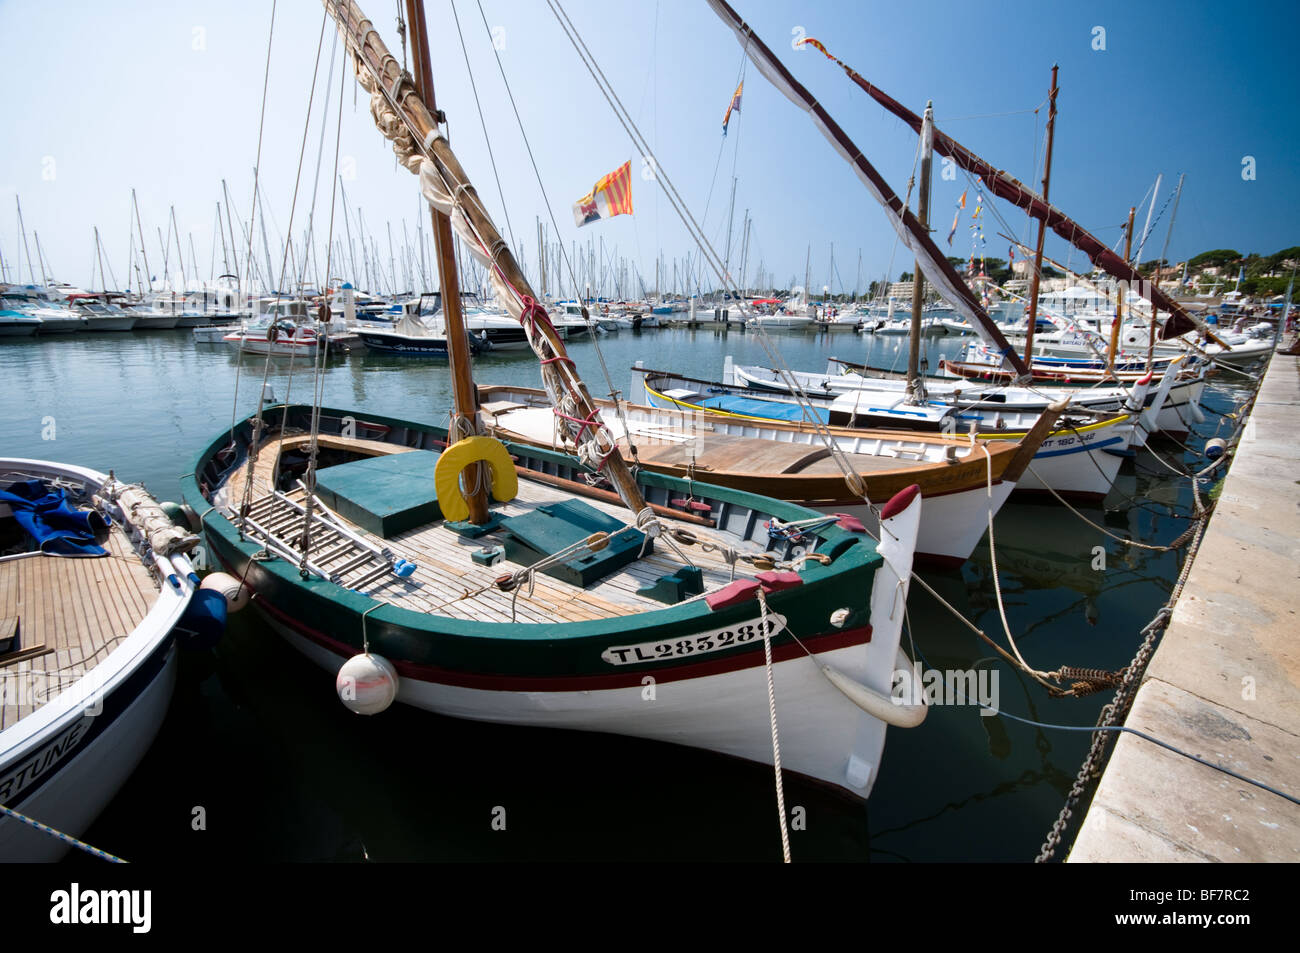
{"type": "Point", "coordinates": [780, 321]}
{"type": "Point", "coordinates": [275, 349]}
{"type": "Point", "coordinates": [61, 325]}
{"type": "Point", "coordinates": [103, 722]}
{"type": "Point", "coordinates": [951, 525]}
{"type": "Point", "coordinates": [1062, 465]}
{"type": "Point", "coordinates": [823, 735]}
{"type": "Point", "coordinates": [156, 322]}
{"type": "Point", "coordinates": [1179, 408]}
{"type": "Point", "coordinates": [821, 730]}
{"type": "Point", "coordinates": [125, 323]}
{"type": "Point", "coordinates": [72, 800]}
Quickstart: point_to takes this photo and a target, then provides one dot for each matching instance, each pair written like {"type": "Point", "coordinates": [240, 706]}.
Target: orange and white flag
{"type": "Point", "coordinates": [611, 195]}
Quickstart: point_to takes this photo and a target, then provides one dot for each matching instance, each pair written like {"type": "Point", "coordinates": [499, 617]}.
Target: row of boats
{"type": "Point", "coordinates": [722, 566]}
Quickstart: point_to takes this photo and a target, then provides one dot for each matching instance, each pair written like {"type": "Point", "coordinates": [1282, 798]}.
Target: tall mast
{"type": "Point", "coordinates": [165, 244]}
{"type": "Point", "coordinates": [230, 225]}
{"type": "Point", "coordinates": [1151, 342]}
{"type": "Point", "coordinates": [148, 276]}
{"type": "Point", "coordinates": [180, 252]}
{"type": "Point", "coordinates": [225, 252]}
{"type": "Point", "coordinates": [541, 258]}
{"type": "Point", "coordinates": [131, 263]}
{"type": "Point", "coordinates": [381, 75]}
{"type": "Point", "coordinates": [1120, 292]}
{"type": "Point", "coordinates": [1036, 277]}
{"type": "Point", "coordinates": [347, 225]}
{"type": "Point", "coordinates": [731, 214]}
{"type": "Point", "coordinates": [40, 258]}
{"type": "Point", "coordinates": [915, 387]}
{"type": "Point", "coordinates": [23, 228]}
{"type": "Point", "coordinates": [744, 253]}
{"type": "Point", "coordinates": [830, 272]}
{"type": "Point", "coordinates": [465, 396]}
{"type": "Point", "coordinates": [1146, 229]}
{"type": "Point", "coordinates": [99, 254]}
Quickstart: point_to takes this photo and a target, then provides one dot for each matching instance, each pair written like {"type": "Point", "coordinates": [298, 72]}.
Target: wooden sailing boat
{"type": "Point", "coordinates": [1076, 454]}
{"type": "Point", "coordinates": [683, 434]}
{"type": "Point", "coordinates": [544, 602]}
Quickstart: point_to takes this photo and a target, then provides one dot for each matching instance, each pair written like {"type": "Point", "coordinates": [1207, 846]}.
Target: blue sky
{"type": "Point", "coordinates": [165, 99]}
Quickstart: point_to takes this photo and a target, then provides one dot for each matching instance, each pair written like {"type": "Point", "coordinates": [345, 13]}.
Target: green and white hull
{"type": "Point", "coordinates": [690, 673]}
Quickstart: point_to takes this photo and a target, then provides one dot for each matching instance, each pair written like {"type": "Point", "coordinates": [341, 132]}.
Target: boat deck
{"type": "Point", "coordinates": [448, 582]}
{"type": "Point", "coordinates": [71, 613]}
{"type": "Point", "coordinates": [665, 445]}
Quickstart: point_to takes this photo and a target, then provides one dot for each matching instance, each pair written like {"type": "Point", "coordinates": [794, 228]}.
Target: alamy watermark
{"type": "Point", "coordinates": [947, 687]}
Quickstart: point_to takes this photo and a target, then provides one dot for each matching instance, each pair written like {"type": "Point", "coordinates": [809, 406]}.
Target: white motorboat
{"type": "Point", "coordinates": [15, 323]}
{"type": "Point", "coordinates": [95, 587]}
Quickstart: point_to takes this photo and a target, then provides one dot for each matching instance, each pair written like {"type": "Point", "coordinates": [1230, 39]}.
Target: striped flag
{"type": "Point", "coordinates": [612, 195]}
{"type": "Point", "coordinates": [817, 44]}
{"type": "Point", "coordinates": [961, 204]}
{"type": "Point", "coordinates": [734, 104]}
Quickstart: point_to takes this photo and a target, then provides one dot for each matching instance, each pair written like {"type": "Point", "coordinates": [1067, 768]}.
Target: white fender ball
{"type": "Point", "coordinates": [366, 684]}
{"type": "Point", "coordinates": [237, 595]}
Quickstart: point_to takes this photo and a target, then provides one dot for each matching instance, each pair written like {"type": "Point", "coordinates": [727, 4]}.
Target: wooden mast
{"type": "Point", "coordinates": [1120, 292]}
{"type": "Point", "coordinates": [915, 389]}
{"type": "Point", "coordinates": [1155, 311]}
{"type": "Point", "coordinates": [1042, 227]}
{"type": "Point", "coordinates": [464, 393]}
{"type": "Point", "coordinates": [419, 119]}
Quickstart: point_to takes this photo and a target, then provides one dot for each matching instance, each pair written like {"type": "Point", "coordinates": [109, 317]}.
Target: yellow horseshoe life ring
{"type": "Point", "coordinates": [462, 453]}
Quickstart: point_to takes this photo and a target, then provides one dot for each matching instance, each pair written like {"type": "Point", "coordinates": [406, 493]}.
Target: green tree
{"type": "Point", "coordinates": [1218, 256]}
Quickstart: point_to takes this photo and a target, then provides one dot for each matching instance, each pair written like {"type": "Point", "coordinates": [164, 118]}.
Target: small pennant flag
{"type": "Point", "coordinates": [961, 204]}
{"type": "Point", "coordinates": [734, 104]}
{"type": "Point", "coordinates": [817, 45]}
{"type": "Point", "coordinates": [612, 195]}
{"type": "Point", "coordinates": [1011, 253]}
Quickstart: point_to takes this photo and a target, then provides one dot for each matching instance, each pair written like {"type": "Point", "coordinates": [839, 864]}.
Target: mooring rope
{"type": "Point", "coordinates": [776, 735]}
{"type": "Point", "coordinates": [59, 835]}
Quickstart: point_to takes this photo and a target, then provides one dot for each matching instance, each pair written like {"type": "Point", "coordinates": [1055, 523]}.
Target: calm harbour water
{"type": "Point", "coordinates": [257, 738]}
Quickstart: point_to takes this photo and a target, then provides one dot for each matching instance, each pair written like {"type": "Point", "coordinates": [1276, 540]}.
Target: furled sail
{"type": "Point", "coordinates": [1013, 190]}
{"type": "Point", "coordinates": [404, 119]}
{"type": "Point", "coordinates": [938, 270]}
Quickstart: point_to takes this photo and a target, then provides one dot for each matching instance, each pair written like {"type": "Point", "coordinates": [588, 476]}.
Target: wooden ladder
{"type": "Point", "coordinates": [336, 552]}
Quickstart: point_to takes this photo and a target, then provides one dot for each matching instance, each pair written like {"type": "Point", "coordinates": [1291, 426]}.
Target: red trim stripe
{"type": "Point", "coordinates": [824, 642]}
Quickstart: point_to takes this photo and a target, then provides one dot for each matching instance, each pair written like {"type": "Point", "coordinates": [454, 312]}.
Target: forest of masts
{"type": "Point", "coordinates": [394, 262]}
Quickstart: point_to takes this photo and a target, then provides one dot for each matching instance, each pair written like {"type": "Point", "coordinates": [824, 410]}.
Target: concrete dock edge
{"type": "Point", "coordinates": [1224, 683]}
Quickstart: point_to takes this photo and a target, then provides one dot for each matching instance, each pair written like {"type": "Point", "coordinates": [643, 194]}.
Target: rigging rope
{"type": "Point", "coordinates": [505, 208]}
{"type": "Point", "coordinates": [771, 714]}
{"type": "Point", "coordinates": [246, 502]}
{"type": "Point", "coordinates": [600, 357]}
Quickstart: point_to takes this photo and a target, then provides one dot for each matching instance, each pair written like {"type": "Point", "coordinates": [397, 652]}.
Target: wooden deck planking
{"type": "Point", "coordinates": [80, 609]}
{"type": "Point", "coordinates": [440, 580]}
